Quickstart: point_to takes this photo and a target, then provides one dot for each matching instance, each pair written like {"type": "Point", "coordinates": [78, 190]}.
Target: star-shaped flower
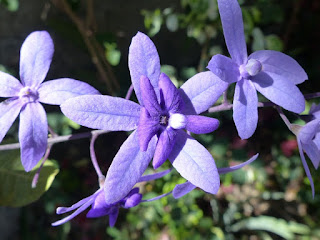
{"type": "Point", "coordinates": [308, 137]}
{"type": "Point", "coordinates": [100, 208]}
{"type": "Point", "coordinates": [271, 73]}
{"type": "Point", "coordinates": [25, 97]}
{"type": "Point", "coordinates": [160, 118]}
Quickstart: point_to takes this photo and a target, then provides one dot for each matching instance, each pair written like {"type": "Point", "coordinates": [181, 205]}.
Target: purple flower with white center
{"type": "Point", "coordinates": [271, 73]}
{"type": "Point", "coordinates": [160, 118]}
{"type": "Point", "coordinates": [100, 208]}
{"type": "Point", "coordinates": [25, 97]}
{"type": "Point", "coordinates": [308, 137]}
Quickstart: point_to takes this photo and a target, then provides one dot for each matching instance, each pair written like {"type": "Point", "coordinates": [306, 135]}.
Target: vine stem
{"type": "Point", "coordinates": [222, 107]}
{"type": "Point", "coordinates": [94, 160]}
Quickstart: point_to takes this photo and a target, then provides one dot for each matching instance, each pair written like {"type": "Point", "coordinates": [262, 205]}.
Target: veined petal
{"type": "Point", "coordinates": [170, 94]}
{"type": "Point", "coordinates": [201, 91]}
{"type": "Point", "coordinates": [9, 85]}
{"type": "Point", "coordinates": [164, 147]}
{"type": "Point", "coordinates": [35, 58]}
{"type": "Point", "coordinates": [232, 23]}
{"type": "Point", "coordinates": [127, 167]}
{"type": "Point", "coordinates": [149, 98]}
{"type": "Point", "coordinates": [154, 176]}
{"type": "Point", "coordinates": [182, 189]}
{"type": "Point", "coordinates": [305, 165]}
{"type": "Point", "coordinates": [313, 153]}
{"type": "Point", "coordinates": [195, 163]}
{"type": "Point", "coordinates": [9, 110]}
{"type": "Point", "coordinates": [57, 91]}
{"type": "Point", "coordinates": [281, 64]}
{"type": "Point", "coordinates": [201, 124]}
{"type": "Point", "coordinates": [245, 108]}
{"type": "Point", "coordinates": [102, 112]}
{"type": "Point", "coordinates": [33, 133]}
{"type": "Point", "coordinates": [224, 68]}
{"type": "Point", "coordinates": [143, 61]}
{"type": "Point", "coordinates": [282, 92]}
{"type": "Point", "coordinates": [147, 128]}
{"type": "Point", "coordinates": [308, 131]}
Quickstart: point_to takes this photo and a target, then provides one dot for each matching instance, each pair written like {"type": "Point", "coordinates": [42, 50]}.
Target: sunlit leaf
{"type": "Point", "coordinates": [15, 183]}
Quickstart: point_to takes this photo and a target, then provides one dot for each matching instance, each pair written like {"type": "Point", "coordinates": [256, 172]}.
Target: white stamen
{"type": "Point", "coordinates": [177, 121]}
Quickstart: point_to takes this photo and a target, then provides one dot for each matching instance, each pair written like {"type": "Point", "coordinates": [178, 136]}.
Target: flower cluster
{"type": "Point", "coordinates": [164, 117]}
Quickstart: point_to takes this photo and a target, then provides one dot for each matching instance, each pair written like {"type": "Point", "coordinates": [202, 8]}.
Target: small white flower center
{"type": "Point", "coordinates": [28, 94]}
{"type": "Point", "coordinates": [177, 121]}
{"type": "Point", "coordinates": [252, 68]}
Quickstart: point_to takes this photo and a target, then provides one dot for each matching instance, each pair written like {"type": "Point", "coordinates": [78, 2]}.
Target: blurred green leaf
{"type": "Point", "coordinates": [11, 5]}
{"type": "Point", "coordinates": [113, 54]}
{"type": "Point", "coordinates": [172, 22]}
{"type": "Point", "coordinates": [258, 40]}
{"type": "Point", "coordinates": [273, 42]}
{"type": "Point", "coordinates": [15, 183]}
{"type": "Point", "coordinates": [152, 21]}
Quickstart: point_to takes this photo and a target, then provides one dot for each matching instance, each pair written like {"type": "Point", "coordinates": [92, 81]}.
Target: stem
{"type": "Point", "coordinates": [129, 93]}
{"type": "Point", "coordinates": [94, 158]}
{"type": "Point", "coordinates": [36, 176]}
{"type": "Point", "coordinates": [58, 139]}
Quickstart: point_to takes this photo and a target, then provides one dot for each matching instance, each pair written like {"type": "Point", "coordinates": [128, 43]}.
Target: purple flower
{"type": "Point", "coordinates": [308, 138]}
{"type": "Point", "coordinates": [271, 73]}
{"type": "Point", "coordinates": [160, 118]}
{"type": "Point", "coordinates": [25, 97]}
{"type": "Point", "coordinates": [100, 208]}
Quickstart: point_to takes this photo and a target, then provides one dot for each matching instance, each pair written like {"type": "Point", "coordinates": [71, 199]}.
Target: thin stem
{"type": "Point", "coordinates": [36, 176]}
{"type": "Point", "coordinates": [129, 93]}
{"type": "Point", "coordinates": [94, 158]}
{"type": "Point", "coordinates": [58, 139]}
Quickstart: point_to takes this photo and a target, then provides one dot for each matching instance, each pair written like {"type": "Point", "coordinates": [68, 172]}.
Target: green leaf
{"type": "Point", "coordinates": [271, 224]}
{"type": "Point", "coordinates": [15, 183]}
{"type": "Point", "coordinates": [258, 39]}
{"type": "Point", "coordinates": [172, 22]}
{"type": "Point", "coordinates": [113, 55]}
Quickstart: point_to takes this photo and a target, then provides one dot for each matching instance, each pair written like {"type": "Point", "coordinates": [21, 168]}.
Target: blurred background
{"type": "Point", "coordinates": [270, 199]}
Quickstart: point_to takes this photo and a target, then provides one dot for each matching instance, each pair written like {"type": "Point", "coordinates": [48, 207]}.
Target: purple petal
{"type": "Point", "coordinates": [133, 200]}
{"type": "Point", "coordinates": [236, 167]}
{"type": "Point", "coordinates": [313, 153]}
{"type": "Point", "coordinates": [195, 163]}
{"type": "Point", "coordinates": [280, 91]}
{"type": "Point", "coordinates": [182, 189]}
{"type": "Point", "coordinates": [164, 146]}
{"type": "Point", "coordinates": [149, 97]}
{"type": "Point", "coordinates": [143, 61]}
{"type": "Point", "coordinates": [224, 68]}
{"type": "Point", "coordinates": [97, 212]}
{"type": "Point", "coordinates": [308, 131]}
{"type": "Point", "coordinates": [315, 110]}
{"type": "Point", "coordinates": [201, 124]}
{"type": "Point", "coordinates": [201, 91]}
{"type": "Point", "coordinates": [157, 197]}
{"type": "Point", "coordinates": [99, 207]}
{"type": "Point", "coordinates": [9, 110]}
{"type": "Point", "coordinates": [61, 210]}
{"type": "Point", "coordinates": [35, 58]}
{"type": "Point", "coordinates": [305, 165]}
{"type": "Point", "coordinates": [280, 64]}
{"type": "Point", "coordinates": [170, 93]}
{"type": "Point", "coordinates": [102, 112]}
{"type": "Point", "coordinates": [57, 91]}
{"type": "Point", "coordinates": [147, 128]}
{"type": "Point", "coordinates": [113, 217]}
{"type": "Point", "coordinates": [245, 108]}
{"type": "Point", "coordinates": [154, 176]}
{"type": "Point", "coordinates": [232, 23]}
{"type": "Point", "coordinates": [74, 214]}
{"type": "Point", "coordinates": [9, 86]}
{"type": "Point", "coordinates": [33, 133]}
{"type": "Point", "coordinates": [127, 167]}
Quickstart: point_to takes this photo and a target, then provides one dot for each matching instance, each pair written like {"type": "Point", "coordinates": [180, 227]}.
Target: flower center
{"type": "Point", "coordinates": [252, 68]}
{"type": "Point", "coordinates": [177, 121]}
{"type": "Point", "coordinates": [164, 119]}
{"type": "Point", "coordinates": [28, 94]}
